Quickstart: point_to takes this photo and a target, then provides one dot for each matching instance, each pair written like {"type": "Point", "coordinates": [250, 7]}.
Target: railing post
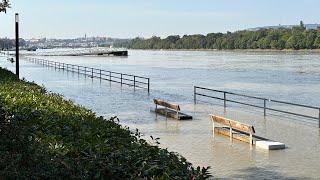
{"type": "Point", "coordinates": [110, 76]}
{"type": "Point", "coordinates": [319, 118]}
{"type": "Point", "coordinates": [100, 74]}
{"type": "Point", "coordinates": [148, 85]}
{"type": "Point", "coordinates": [85, 71]}
{"type": "Point", "coordinates": [55, 65]}
{"type": "Point", "coordinates": [92, 73]}
{"type": "Point", "coordinates": [195, 95]}
{"type": "Point", "coordinates": [78, 70]}
{"type": "Point", "coordinates": [134, 82]}
{"type": "Point", "coordinates": [225, 99]}
{"type": "Point", "coordinates": [121, 79]}
{"type": "Point", "coordinates": [265, 107]}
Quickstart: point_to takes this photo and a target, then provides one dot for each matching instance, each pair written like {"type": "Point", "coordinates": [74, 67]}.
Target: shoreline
{"type": "Point", "coordinates": [238, 50]}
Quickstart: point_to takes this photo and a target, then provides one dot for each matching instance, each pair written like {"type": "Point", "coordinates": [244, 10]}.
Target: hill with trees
{"type": "Point", "coordinates": [298, 37]}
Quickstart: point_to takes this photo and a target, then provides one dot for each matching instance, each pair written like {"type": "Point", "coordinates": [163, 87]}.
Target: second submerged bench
{"type": "Point", "coordinates": [242, 132]}
{"type": "Point", "coordinates": [170, 110]}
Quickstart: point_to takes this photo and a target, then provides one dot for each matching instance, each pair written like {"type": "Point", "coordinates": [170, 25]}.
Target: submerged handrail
{"type": "Point", "coordinates": [265, 100]}
{"type": "Point", "coordinates": [117, 77]}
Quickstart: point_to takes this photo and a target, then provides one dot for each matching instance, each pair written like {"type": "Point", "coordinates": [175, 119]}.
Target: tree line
{"type": "Point", "coordinates": [9, 44]}
{"type": "Point", "coordinates": [298, 37]}
{"type": "Point", "coordinates": [6, 44]}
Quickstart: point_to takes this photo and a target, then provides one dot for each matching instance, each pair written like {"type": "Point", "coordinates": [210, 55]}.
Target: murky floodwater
{"type": "Point", "coordinates": [291, 77]}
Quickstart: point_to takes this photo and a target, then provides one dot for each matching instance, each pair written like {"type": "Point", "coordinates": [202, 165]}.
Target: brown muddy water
{"type": "Point", "coordinates": [288, 76]}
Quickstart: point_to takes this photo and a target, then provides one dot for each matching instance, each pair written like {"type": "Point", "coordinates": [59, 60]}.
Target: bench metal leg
{"type": "Point", "coordinates": [213, 128]}
{"type": "Point", "coordinates": [231, 134]}
{"type": "Point", "coordinates": [178, 115]}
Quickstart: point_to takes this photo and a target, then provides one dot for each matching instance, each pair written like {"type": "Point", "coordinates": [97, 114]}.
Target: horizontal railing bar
{"type": "Point", "coordinates": [261, 107]}
{"type": "Point", "coordinates": [253, 97]}
{"type": "Point", "coordinates": [127, 75]}
{"type": "Point", "coordinates": [209, 96]}
{"type": "Point", "coordinates": [141, 87]}
{"type": "Point", "coordinates": [112, 72]}
{"type": "Point", "coordinates": [140, 77]}
{"type": "Point", "coordinates": [128, 84]}
{"type": "Point", "coordinates": [238, 102]}
{"type": "Point", "coordinates": [105, 71]}
{"type": "Point", "coordinates": [296, 114]}
{"type": "Point", "coordinates": [128, 79]}
{"type": "Point", "coordinates": [270, 100]}
{"type": "Point", "coordinates": [141, 82]}
{"type": "Point", "coordinates": [294, 104]}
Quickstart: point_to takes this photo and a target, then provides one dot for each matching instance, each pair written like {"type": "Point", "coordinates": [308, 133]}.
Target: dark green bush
{"type": "Point", "coordinates": [43, 136]}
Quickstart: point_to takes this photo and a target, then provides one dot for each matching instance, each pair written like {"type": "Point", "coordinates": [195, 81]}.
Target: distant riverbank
{"type": "Point", "coordinates": [296, 38]}
{"type": "Point", "coordinates": [239, 50]}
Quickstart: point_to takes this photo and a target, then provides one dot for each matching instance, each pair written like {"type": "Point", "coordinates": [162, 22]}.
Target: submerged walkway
{"type": "Point", "coordinates": [116, 77]}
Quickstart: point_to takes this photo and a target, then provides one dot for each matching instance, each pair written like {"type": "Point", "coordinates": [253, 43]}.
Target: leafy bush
{"type": "Point", "coordinates": [44, 136]}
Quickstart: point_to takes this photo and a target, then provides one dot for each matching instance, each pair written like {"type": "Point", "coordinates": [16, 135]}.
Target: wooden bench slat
{"type": "Point", "coordinates": [233, 124]}
{"type": "Point", "coordinates": [166, 104]}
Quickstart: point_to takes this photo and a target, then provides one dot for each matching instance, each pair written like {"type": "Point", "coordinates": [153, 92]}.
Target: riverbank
{"type": "Point", "coordinates": [44, 136]}
{"type": "Point", "coordinates": [239, 50]}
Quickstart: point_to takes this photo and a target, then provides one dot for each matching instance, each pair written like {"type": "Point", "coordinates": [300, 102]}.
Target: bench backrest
{"type": "Point", "coordinates": [166, 104]}
{"type": "Point", "coordinates": [233, 124]}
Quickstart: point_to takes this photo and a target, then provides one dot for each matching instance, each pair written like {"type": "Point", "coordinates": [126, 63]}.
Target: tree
{"type": "Point", "coordinates": [317, 42]}
{"type": "Point", "coordinates": [302, 24]}
{"type": "Point", "coordinates": [4, 5]}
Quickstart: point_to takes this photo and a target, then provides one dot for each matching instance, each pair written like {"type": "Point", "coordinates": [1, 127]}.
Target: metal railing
{"type": "Point", "coordinates": [116, 77]}
{"type": "Point", "coordinates": [265, 101]}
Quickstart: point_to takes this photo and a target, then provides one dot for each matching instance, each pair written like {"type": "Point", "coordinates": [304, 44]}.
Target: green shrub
{"type": "Point", "coordinates": [43, 136]}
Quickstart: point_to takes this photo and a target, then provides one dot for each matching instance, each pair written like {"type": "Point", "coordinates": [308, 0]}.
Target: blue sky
{"type": "Point", "coordinates": [145, 18]}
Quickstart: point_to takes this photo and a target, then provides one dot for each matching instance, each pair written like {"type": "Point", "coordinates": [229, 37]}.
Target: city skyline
{"type": "Point", "coordinates": [128, 19]}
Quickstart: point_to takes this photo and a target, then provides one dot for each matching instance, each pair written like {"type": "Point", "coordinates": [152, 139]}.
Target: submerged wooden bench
{"type": "Point", "coordinates": [234, 129]}
{"type": "Point", "coordinates": [242, 132]}
{"type": "Point", "coordinates": [170, 110]}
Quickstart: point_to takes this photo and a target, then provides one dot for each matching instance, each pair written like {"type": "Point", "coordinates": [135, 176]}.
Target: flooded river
{"type": "Point", "coordinates": [292, 76]}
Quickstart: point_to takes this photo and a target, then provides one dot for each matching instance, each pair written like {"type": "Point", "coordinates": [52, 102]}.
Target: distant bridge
{"type": "Point", "coordinates": [83, 52]}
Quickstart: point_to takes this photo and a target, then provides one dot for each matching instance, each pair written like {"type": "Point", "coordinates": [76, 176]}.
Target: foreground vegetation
{"type": "Point", "coordinates": [283, 38]}
{"type": "Point", "coordinates": [43, 136]}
